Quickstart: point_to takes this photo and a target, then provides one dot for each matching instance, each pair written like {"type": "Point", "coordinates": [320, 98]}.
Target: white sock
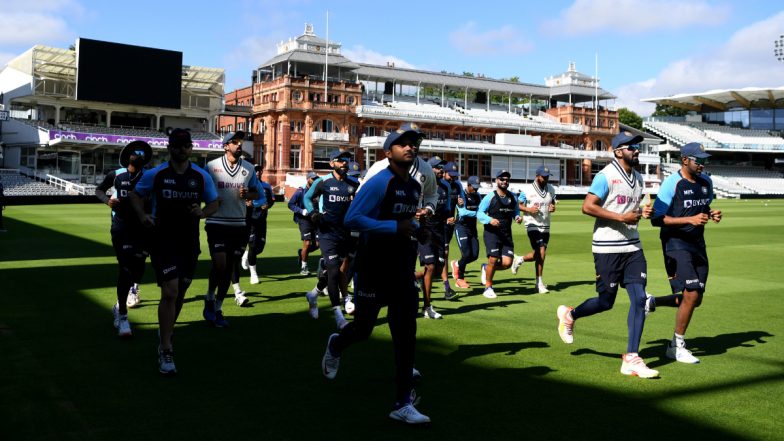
{"type": "Point", "coordinates": [252, 269]}
{"type": "Point", "coordinates": [304, 265]}
{"type": "Point", "coordinates": [677, 340]}
{"type": "Point", "coordinates": [218, 305]}
{"type": "Point", "coordinates": [538, 280]}
{"type": "Point", "coordinates": [237, 288]}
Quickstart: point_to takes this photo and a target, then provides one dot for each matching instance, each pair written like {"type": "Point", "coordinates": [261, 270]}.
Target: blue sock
{"type": "Point", "coordinates": [446, 285]}
{"type": "Point", "coordinates": [636, 318]}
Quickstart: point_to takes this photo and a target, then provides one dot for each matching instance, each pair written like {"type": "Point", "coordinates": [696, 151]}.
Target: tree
{"type": "Point", "coordinates": [628, 117]}
{"type": "Point", "coordinates": [666, 110]}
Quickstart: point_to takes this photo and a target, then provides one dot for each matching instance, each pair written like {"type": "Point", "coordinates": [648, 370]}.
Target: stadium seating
{"type": "Point", "coordinates": [16, 184]}
{"type": "Point", "coordinates": [716, 136]}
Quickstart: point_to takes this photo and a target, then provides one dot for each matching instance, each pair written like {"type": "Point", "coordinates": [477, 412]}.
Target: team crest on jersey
{"type": "Point", "coordinates": [192, 183]}
{"type": "Point", "coordinates": [351, 190]}
{"type": "Point", "coordinates": [244, 172]}
{"type": "Point", "coordinates": [422, 179]}
{"type": "Point", "coordinates": [416, 194]}
{"type": "Point", "coordinates": [704, 190]}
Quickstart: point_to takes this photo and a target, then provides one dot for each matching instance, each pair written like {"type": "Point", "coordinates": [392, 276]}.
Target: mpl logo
{"type": "Point", "coordinates": [616, 182]}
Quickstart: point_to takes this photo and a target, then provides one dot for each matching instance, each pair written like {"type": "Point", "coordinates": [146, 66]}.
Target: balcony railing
{"type": "Point", "coordinates": [329, 136]}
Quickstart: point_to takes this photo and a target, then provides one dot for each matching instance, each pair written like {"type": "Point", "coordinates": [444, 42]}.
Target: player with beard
{"type": "Point", "coordinates": [496, 212]}
{"type": "Point", "coordinates": [537, 203]}
{"type": "Point", "coordinates": [614, 200]}
{"type": "Point", "coordinates": [682, 209]}
{"type": "Point", "coordinates": [465, 227]}
{"type": "Point", "coordinates": [308, 232]}
{"type": "Point", "coordinates": [328, 201]}
{"type": "Point", "coordinates": [176, 188]}
{"type": "Point", "coordinates": [128, 236]}
{"type": "Point", "coordinates": [384, 212]}
{"type": "Point", "coordinates": [227, 230]}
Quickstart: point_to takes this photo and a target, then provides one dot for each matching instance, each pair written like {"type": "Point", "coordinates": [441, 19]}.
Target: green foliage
{"type": "Point", "coordinates": [493, 369]}
{"type": "Point", "coordinates": [667, 110]}
{"type": "Point", "coordinates": [630, 118]}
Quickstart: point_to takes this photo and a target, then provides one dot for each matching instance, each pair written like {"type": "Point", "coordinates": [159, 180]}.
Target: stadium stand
{"type": "Point", "coordinates": [16, 184]}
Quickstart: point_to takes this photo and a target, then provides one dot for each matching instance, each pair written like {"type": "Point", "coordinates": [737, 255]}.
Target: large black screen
{"type": "Point", "coordinates": [125, 74]}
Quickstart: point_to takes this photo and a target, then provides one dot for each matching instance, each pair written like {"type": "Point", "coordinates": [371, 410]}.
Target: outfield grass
{"type": "Point", "coordinates": [493, 369]}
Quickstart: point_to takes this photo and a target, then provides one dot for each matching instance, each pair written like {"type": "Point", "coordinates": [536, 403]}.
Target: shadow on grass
{"type": "Point", "coordinates": [66, 376]}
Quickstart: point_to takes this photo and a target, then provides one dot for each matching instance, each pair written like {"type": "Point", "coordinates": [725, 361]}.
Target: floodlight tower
{"type": "Point", "coordinates": [778, 48]}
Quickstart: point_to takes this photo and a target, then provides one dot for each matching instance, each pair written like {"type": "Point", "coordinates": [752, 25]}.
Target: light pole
{"type": "Point", "coordinates": [778, 48]}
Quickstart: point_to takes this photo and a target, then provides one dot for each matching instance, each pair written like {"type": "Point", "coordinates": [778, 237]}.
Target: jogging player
{"type": "Point", "coordinates": [496, 212]}
{"type": "Point", "coordinates": [452, 177]}
{"type": "Point", "coordinates": [537, 203]}
{"type": "Point", "coordinates": [256, 216]}
{"type": "Point", "coordinates": [467, 236]}
{"type": "Point", "coordinates": [614, 200]}
{"type": "Point", "coordinates": [308, 232]}
{"type": "Point", "coordinates": [327, 201]}
{"type": "Point", "coordinates": [682, 209]}
{"type": "Point", "coordinates": [128, 236]}
{"type": "Point", "coordinates": [384, 212]}
{"type": "Point", "coordinates": [177, 189]}
{"type": "Point", "coordinates": [227, 230]}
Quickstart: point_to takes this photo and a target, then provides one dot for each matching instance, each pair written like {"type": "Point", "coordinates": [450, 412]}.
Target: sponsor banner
{"type": "Point", "coordinates": [204, 144]}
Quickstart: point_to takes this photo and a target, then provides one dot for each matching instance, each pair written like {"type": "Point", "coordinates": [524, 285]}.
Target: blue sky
{"type": "Point", "coordinates": [645, 48]}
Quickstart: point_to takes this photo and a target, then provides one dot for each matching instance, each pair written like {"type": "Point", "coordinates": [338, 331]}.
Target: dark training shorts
{"type": "Point", "coordinates": [226, 239]}
{"type": "Point", "coordinates": [538, 239]}
{"type": "Point", "coordinates": [497, 245]}
{"type": "Point", "coordinates": [621, 269]}
{"type": "Point", "coordinates": [691, 269]}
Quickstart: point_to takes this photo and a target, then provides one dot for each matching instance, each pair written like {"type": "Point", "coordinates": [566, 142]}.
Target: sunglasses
{"type": "Point", "coordinates": [139, 153]}
{"type": "Point", "coordinates": [698, 161]}
{"type": "Point", "coordinates": [633, 147]}
{"type": "Point", "coordinates": [503, 179]}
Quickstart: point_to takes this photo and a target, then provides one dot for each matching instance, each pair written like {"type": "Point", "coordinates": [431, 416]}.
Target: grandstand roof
{"type": "Point", "coordinates": [725, 99]}
{"type": "Point", "coordinates": [301, 56]}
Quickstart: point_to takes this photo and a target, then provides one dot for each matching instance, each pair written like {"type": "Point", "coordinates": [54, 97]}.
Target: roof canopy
{"type": "Point", "coordinates": [725, 99]}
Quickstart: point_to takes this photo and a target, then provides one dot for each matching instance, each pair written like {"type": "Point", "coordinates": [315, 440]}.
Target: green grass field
{"type": "Point", "coordinates": [493, 369]}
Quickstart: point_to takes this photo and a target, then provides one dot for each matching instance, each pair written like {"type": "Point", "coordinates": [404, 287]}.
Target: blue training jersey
{"type": "Point", "coordinates": [331, 197]}
{"type": "Point", "coordinates": [678, 197]}
{"type": "Point", "coordinates": [172, 196]}
{"type": "Point", "coordinates": [504, 208]}
{"type": "Point", "coordinates": [384, 200]}
{"type": "Point", "coordinates": [124, 182]}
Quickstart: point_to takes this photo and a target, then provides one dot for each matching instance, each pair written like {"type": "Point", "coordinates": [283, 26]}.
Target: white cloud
{"type": "Point", "coordinates": [361, 54]}
{"type": "Point", "coordinates": [30, 28]}
{"type": "Point", "coordinates": [745, 60]}
{"type": "Point", "coordinates": [506, 40]}
{"type": "Point", "coordinates": [636, 16]}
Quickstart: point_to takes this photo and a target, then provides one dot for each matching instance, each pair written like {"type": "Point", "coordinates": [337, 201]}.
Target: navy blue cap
{"type": "Point", "coordinates": [451, 168]}
{"type": "Point", "coordinates": [473, 181]}
{"type": "Point", "coordinates": [227, 138]}
{"type": "Point", "coordinates": [180, 137]}
{"type": "Point", "coordinates": [405, 129]}
{"type": "Point", "coordinates": [135, 148]}
{"type": "Point", "coordinates": [626, 138]}
{"type": "Point", "coordinates": [542, 171]}
{"type": "Point", "coordinates": [502, 173]}
{"type": "Point", "coordinates": [312, 175]}
{"type": "Point", "coordinates": [354, 169]}
{"type": "Point", "coordinates": [339, 154]}
{"type": "Point", "coordinates": [436, 162]}
{"type": "Point", "coordinates": [695, 150]}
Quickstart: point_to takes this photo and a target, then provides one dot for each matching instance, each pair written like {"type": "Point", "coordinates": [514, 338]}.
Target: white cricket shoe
{"type": "Point", "coordinates": [516, 263]}
{"type": "Point", "coordinates": [489, 293]}
{"type": "Point", "coordinates": [484, 274]}
{"type": "Point", "coordinates": [312, 297]}
{"type": "Point", "coordinates": [633, 365]}
{"type": "Point", "coordinates": [565, 324]}
{"type": "Point", "coordinates": [244, 261]}
{"type": "Point", "coordinates": [542, 288]}
{"type": "Point", "coordinates": [124, 327]}
{"type": "Point", "coordinates": [409, 415]}
{"type": "Point", "coordinates": [134, 297]}
{"type": "Point", "coordinates": [240, 299]}
{"type": "Point", "coordinates": [349, 305]}
{"type": "Point", "coordinates": [681, 354]}
{"type": "Point", "coordinates": [116, 315]}
{"type": "Point", "coordinates": [650, 304]}
{"type": "Point", "coordinates": [431, 313]}
{"type": "Point", "coordinates": [330, 363]}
